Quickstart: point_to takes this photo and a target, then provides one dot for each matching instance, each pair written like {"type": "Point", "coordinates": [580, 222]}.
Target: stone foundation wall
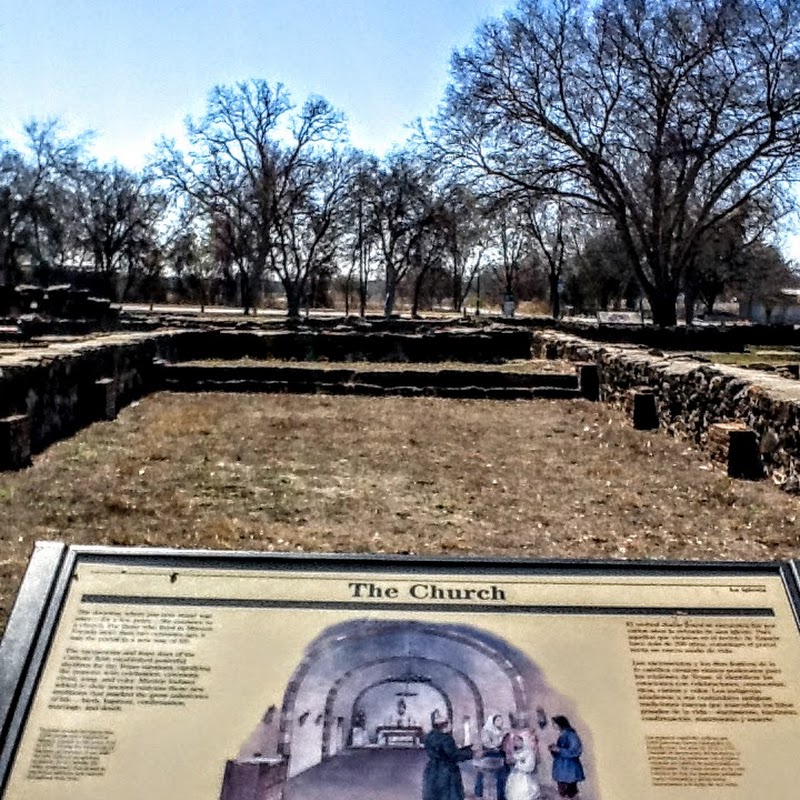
{"type": "Point", "coordinates": [60, 386]}
{"type": "Point", "coordinates": [715, 338]}
{"type": "Point", "coordinates": [57, 387]}
{"type": "Point", "coordinates": [461, 382]}
{"type": "Point", "coordinates": [350, 345]}
{"type": "Point", "coordinates": [692, 395]}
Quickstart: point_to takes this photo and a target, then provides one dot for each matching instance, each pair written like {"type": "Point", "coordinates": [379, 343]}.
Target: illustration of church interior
{"type": "Point", "coordinates": [354, 715]}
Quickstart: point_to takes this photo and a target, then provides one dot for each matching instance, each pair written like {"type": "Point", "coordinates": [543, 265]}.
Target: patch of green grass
{"type": "Point", "coordinates": [774, 356]}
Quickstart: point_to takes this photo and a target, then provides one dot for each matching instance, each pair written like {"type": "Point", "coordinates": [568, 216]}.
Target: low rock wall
{"type": "Point", "coordinates": [692, 395]}
{"type": "Point", "coordinates": [56, 383]}
{"type": "Point", "coordinates": [723, 338]}
{"type": "Point", "coordinates": [57, 387]}
{"type": "Point", "coordinates": [462, 382]}
{"type": "Point", "coordinates": [348, 345]}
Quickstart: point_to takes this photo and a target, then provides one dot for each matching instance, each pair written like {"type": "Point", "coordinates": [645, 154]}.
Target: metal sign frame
{"type": "Point", "coordinates": [36, 614]}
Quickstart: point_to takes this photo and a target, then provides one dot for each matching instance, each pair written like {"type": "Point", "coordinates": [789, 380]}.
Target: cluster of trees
{"type": "Point", "coordinates": [663, 120]}
{"type": "Point", "coordinates": [589, 151]}
{"type": "Point", "coordinates": [275, 191]}
{"type": "Point", "coordinates": [63, 215]}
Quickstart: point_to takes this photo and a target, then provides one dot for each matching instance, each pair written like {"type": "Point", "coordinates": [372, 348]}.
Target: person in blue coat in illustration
{"type": "Point", "coordinates": [566, 752]}
{"type": "Point", "coordinates": [442, 777]}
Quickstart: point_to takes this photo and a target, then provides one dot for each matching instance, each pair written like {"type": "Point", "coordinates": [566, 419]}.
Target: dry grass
{"type": "Point", "coordinates": [526, 365]}
{"type": "Point", "coordinates": [533, 478]}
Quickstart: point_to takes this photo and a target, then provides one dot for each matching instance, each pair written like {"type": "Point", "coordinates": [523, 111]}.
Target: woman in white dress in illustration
{"type": "Point", "coordinates": [522, 783]}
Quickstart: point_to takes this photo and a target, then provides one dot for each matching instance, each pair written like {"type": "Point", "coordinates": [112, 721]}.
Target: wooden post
{"type": "Point", "coordinates": [105, 399]}
{"type": "Point", "coordinates": [645, 411]}
{"type": "Point", "coordinates": [158, 374]}
{"type": "Point", "coordinates": [736, 446]}
{"type": "Point", "coordinates": [15, 442]}
{"type": "Point", "coordinates": [589, 381]}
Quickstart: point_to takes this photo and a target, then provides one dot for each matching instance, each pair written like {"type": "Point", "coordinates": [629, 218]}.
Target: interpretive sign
{"type": "Point", "coordinates": [178, 675]}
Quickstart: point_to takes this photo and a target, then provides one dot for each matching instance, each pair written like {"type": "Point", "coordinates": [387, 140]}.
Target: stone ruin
{"type": "Point", "coordinates": [34, 310]}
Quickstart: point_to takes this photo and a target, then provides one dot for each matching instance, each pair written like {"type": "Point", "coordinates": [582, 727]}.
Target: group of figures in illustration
{"type": "Point", "coordinates": [397, 709]}
{"type": "Point", "coordinates": [510, 759]}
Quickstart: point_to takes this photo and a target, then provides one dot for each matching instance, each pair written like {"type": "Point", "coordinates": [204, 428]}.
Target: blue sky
{"type": "Point", "coordinates": [132, 69]}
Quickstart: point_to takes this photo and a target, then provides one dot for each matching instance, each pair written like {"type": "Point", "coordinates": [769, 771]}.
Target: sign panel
{"type": "Point", "coordinates": [179, 675]}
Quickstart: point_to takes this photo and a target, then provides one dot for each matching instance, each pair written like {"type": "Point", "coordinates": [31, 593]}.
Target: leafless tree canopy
{"type": "Point", "coordinates": [269, 177]}
{"type": "Point", "coordinates": [666, 116]}
{"type": "Point", "coordinates": [666, 132]}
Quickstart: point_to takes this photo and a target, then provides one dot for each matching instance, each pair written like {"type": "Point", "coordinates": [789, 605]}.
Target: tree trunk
{"type": "Point", "coordinates": [458, 286]}
{"type": "Point", "coordinates": [663, 305]}
{"type": "Point", "coordinates": [126, 289]}
{"type": "Point", "coordinates": [111, 286]}
{"type": "Point", "coordinates": [255, 294]}
{"type": "Point", "coordinates": [363, 288]}
{"type": "Point", "coordinates": [347, 293]}
{"type": "Point", "coordinates": [555, 297]}
{"type": "Point", "coordinates": [689, 301]}
{"type": "Point", "coordinates": [391, 293]}
{"type": "Point", "coordinates": [418, 283]}
{"type": "Point", "coordinates": [313, 287]}
{"type": "Point", "coordinates": [244, 290]}
{"type": "Point", "coordinates": [292, 301]}
{"type": "Point", "coordinates": [362, 298]}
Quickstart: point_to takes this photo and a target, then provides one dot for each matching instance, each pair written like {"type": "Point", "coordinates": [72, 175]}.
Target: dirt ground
{"type": "Point", "coordinates": [400, 475]}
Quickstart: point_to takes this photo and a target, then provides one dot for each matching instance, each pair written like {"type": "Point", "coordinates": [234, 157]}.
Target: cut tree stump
{"type": "Point", "coordinates": [643, 409]}
{"type": "Point", "coordinates": [736, 446]}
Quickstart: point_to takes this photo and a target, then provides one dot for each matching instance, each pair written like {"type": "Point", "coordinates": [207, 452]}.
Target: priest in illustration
{"type": "Point", "coordinates": [442, 777]}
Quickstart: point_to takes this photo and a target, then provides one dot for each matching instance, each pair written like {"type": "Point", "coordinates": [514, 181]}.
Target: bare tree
{"type": "Point", "coordinates": [191, 256]}
{"type": "Point", "coordinates": [665, 117]}
{"type": "Point", "coordinates": [55, 164]}
{"type": "Point", "coordinates": [510, 243]}
{"type": "Point", "coordinates": [118, 213]}
{"type": "Point", "coordinates": [546, 223]}
{"type": "Point", "coordinates": [253, 166]}
{"type": "Point", "coordinates": [13, 237]}
{"type": "Point", "coordinates": [398, 205]}
{"type": "Point", "coordinates": [360, 234]}
{"type": "Point", "coordinates": [38, 186]}
{"type": "Point", "coordinates": [466, 231]}
{"type": "Point", "coordinates": [429, 250]}
{"type": "Point", "coordinates": [308, 227]}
